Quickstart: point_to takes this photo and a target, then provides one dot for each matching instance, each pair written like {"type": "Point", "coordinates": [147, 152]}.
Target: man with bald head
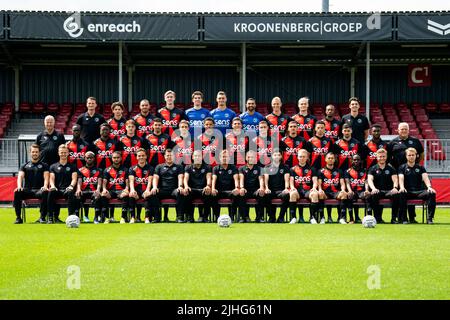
{"type": "Point", "coordinates": [278, 121]}
{"type": "Point", "coordinates": [397, 147]}
{"type": "Point", "coordinates": [49, 140]}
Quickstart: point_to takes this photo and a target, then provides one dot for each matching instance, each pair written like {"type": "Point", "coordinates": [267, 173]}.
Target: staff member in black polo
{"type": "Point", "coordinates": [90, 121]}
{"type": "Point", "coordinates": [35, 174]}
{"type": "Point", "coordinates": [383, 182]}
{"type": "Point", "coordinates": [168, 183]}
{"type": "Point", "coordinates": [358, 122]}
{"type": "Point", "coordinates": [396, 151]}
{"type": "Point", "coordinates": [63, 181]}
{"type": "Point", "coordinates": [49, 140]}
{"type": "Point", "coordinates": [415, 184]}
{"type": "Point", "coordinates": [397, 147]}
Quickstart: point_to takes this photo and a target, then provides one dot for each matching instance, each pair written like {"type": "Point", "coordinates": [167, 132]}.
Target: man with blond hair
{"type": "Point", "coordinates": [169, 114]}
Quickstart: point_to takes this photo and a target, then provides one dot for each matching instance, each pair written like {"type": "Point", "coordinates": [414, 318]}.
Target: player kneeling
{"type": "Point", "coordinates": [303, 185]}
{"type": "Point", "coordinates": [89, 186]}
{"type": "Point", "coordinates": [140, 177]}
{"type": "Point", "coordinates": [331, 185]}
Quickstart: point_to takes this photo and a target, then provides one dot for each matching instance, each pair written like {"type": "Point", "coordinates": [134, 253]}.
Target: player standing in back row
{"type": "Point", "coordinates": [222, 115]}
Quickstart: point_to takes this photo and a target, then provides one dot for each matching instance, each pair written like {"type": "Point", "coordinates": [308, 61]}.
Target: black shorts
{"type": "Point", "coordinates": [358, 195]}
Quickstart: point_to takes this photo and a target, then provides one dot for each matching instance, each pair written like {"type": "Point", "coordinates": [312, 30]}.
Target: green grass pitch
{"type": "Point", "coordinates": [203, 261]}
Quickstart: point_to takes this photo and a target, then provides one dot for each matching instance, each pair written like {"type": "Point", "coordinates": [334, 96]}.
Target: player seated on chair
{"type": "Point", "coordinates": [331, 185]}
{"type": "Point", "coordinates": [276, 181]}
{"type": "Point", "coordinates": [251, 185]}
{"type": "Point", "coordinates": [89, 186]}
{"type": "Point", "coordinates": [168, 184]}
{"type": "Point", "coordinates": [63, 181]}
{"type": "Point", "coordinates": [304, 185]}
{"type": "Point", "coordinates": [140, 178]}
{"type": "Point", "coordinates": [225, 185]}
{"type": "Point", "coordinates": [357, 187]}
{"type": "Point", "coordinates": [115, 186]}
{"type": "Point", "coordinates": [383, 182]}
{"type": "Point", "coordinates": [415, 184]}
{"type": "Point", "coordinates": [197, 185]}
{"type": "Point", "coordinates": [32, 182]}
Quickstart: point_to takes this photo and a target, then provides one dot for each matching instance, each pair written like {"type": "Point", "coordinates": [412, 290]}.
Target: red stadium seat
{"type": "Point", "coordinates": [406, 118]}
{"type": "Point", "coordinates": [25, 107]}
{"type": "Point", "coordinates": [52, 107]}
{"type": "Point", "coordinates": [422, 118]}
{"type": "Point", "coordinates": [38, 107]}
{"type": "Point", "coordinates": [444, 108]}
{"type": "Point", "coordinates": [413, 132]}
{"type": "Point", "coordinates": [431, 107]}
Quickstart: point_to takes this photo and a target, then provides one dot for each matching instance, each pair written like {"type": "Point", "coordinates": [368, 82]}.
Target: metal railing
{"type": "Point", "coordinates": [14, 153]}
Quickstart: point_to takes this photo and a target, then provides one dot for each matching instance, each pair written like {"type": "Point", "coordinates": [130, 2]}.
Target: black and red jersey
{"type": "Point", "coordinates": [345, 150]}
{"type": "Point", "coordinates": [77, 151]}
{"type": "Point", "coordinates": [211, 147]}
{"type": "Point", "coordinates": [117, 127]}
{"type": "Point", "coordinates": [129, 147]}
{"type": "Point", "coordinates": [303, 177]}
{"type": "Point", "coordinates": [371, 150]}
{"type": "Point", "coordinates": [103, 152]}
{"type": "Point", "coordinates": [330, 179]}
{"type": "Point", "coordinates": [264, 148]}
{"type": "Point", "coordinates": [170, 119]}
{"type": "Point", "coordinates": [290, 148]}
{"type": "Point", "coordinates": [157, 145]}
{"type": "Point", "coordinates": [357, 179]}
{"type": "Point", "coordinates": [319, 148]}
{"type": "Point", "coordinates": [278, 124]}
{"type": "Point", "coordinates": [237, 146]}
{"type": "Point", "coordinates": [332, 129]}
{"type": "Point", "coordinates": [143, 124]}
{"type": "Point", "coordinates": [90, 178]}
{"type": "Point", "coordinates": [306, 125]}
{"type": "Point", "coordinates": [183, 148]}
{"type": "Point", "coordinates": [141, 176]}
{"type": "Point", "coordinates": [116, 178]}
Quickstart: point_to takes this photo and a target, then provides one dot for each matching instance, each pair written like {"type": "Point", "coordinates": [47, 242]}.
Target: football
{"type": "Point", "coordinates": [72, 221]}
{"type": "Point", "coordinates": [224, 221]}
{"type": "Point", "coordinates": [369, 222]}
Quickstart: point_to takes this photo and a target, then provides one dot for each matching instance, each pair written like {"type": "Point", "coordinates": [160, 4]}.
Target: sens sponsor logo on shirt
{"type": "Point", "coordinates": [320, 151]}
{"type": "Point", "coordinates": [331, 181]}
{"type": "Point", "coordinates": [117, 180]}
{"type": "Point", "coordinates": [141, 180]}
{"type": "Point", "coordinates": [171, 123]}
{"type": "Point", "coordinates": [131, 149]}
{"type": "Point", "coordinates": [347, 153]}
{"type": "Point", "coordinates": [90, 180]}
{"type": "Point", "coordinates": [160, 148]}
{"type": "Point", "coordinates": [304, 179]}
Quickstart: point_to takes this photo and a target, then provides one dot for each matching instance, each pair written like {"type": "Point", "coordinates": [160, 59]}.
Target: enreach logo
{"type": "Point", "coordinates": [72, 25]}
{"type": "Point", "coordinates": [438, 28]}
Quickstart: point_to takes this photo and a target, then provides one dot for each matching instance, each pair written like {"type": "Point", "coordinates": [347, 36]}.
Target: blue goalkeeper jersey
{"type": "Point", "coordinates": [222, 119]}
{"type": "Point", "coordinates": [196, 118]}
{"type": "Point", "coordinates": [251, 122]}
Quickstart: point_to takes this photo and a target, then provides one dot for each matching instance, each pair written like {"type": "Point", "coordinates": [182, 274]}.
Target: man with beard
{"type": "Point", "coordinates": [250, 118]}
{"type": "Point", "coordinates": [157, 142]}
{"type": "Point", "coordinates": [373, 145]}
{"type": "Point", "coordinates": [210, 142]}
{"type": "Point", "coordinates": [347, 147]}
{"type": "Point", "coordinates": [129, 144]}
{"type": "Point", "coordinates": [144, 119]}
{"type": "Point", "coordinates": [89, 186]}
{"type": "Point", "coordinates": [32, 182]}
{"type": "Point", "coordinates": [77, 148]}
{"type": "Point", "coordinates": [303, 185]}
{"type": "Point", "coordinates": [357, 186]}
{"type": "Point", "coordinates": [90, 121]}
{"type": "Point", "coordinates": [115, 186]}
{"type": "Point", "coordinates": [140, 177]}
{"type": "Point", "coordinates": [236, 143]}
{"type": "Point", "coordinates": [291, 144]}
{"type": "Point", "coordinates": [104, 147]}
{"type": "Point", "coordinates": [332, 125]}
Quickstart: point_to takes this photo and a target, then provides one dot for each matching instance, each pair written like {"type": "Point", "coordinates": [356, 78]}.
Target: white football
{"type": "Point", "coordinates": [72, 221]}
{"type": "Point", "coordinates": [369, 222]}
{"type": "Point", "coordinates": [224, 221]}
